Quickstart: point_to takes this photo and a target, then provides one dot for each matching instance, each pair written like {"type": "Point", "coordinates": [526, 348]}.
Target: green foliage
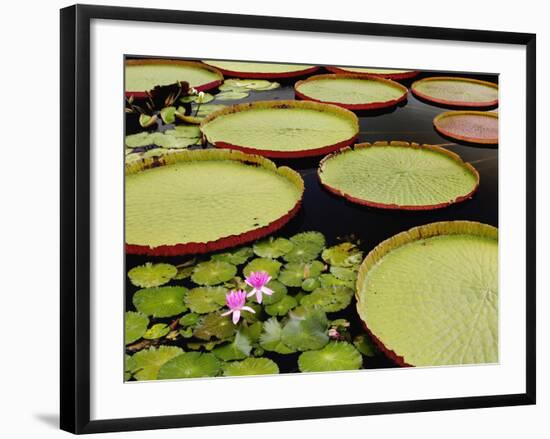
{"type": "Point", "coordinates": [330, 299]}
{"type": "Point", "coordinates": [135, 325]}
{"type": "Point", "coordinates": [345, 254]}
{"type": "Point", "coordinates": [190, 365]}
{"type": "Point", "coordinates": [160, 301]}
{"type": "Point", "coordinates": [306, 330]}
{"type": "Point", "coordinates": [213, 272]}
{"type": "Point", "coordinates": [214, 325]}
{"type": "Point", "coordinates": [307, 246]}
{"type": "Point", "coordinates": [203, 300]}
{"type": "Point", "coordinates": [251, 366]}
{"type": "Point", "coordinates": [151, 275]}
{"type": "Point", "coordinates": [365, 345]}
{"type": "Point", "coordinates": [145, 364]}
{"type": "Point", "coordinates": [271, 266]}
{"type": "Point", "coordinates": [235, 257]}
{"type": "Point", "coordinates": [271, 337]}
{"type": "Point", "coordinates": [294, 273]}
{"type": "Point", "coordinates": [281, 307]}
{"type": "Point", "coordinates": [238, 349]}
{"type": "Point", "coordinates": [334, 356]}
{"type": "Point", "coordinates": [279, 292]}
{"type": "Point", "coordinates": [156, 331]}
{"type": "Point", "coordinates": [273, 247]}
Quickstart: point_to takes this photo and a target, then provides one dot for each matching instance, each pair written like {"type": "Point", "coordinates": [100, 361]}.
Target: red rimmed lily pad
{"type": "Point", "coordinates": [456, 92]}
{"type": "Point", "coordinates": [429, 295]}
{"type": "Point", "coordinates": [282, 129]}
{"type": "Point", "coordinates": [381, 73]}
{"type": "Point", "coordinates": [351, 91]}
{"type": "Point", "coordinates": [399, 175]}
{"type": "Point", "coordinates": [259, 70]}
{"type": "Point", "coordinates": [142, 75]}
{"type": "Point", "coordinates": [469, 126]}
{"type": "Point", "coordinates": [175, 207]}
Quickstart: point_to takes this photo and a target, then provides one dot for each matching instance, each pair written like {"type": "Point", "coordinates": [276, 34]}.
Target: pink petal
{"type": "Point", "coordinates": [267, 291]}
{"type": "Point", "coordinates": [251, 293]}
{"type": "Point", "coordinates": [259, 296]}
{"type": "Point", "coordinates": [247, 308]}
{"type": "Point", "coordinates": [226, 313]}
{"type": "Point", "coordinates": [236, 316]}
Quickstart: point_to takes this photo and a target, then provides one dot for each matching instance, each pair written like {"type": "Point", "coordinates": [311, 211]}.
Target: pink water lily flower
{"type": "Point", "coordinates": [235, 301]}
{"type": "Point", "coordinates": [258, 280]}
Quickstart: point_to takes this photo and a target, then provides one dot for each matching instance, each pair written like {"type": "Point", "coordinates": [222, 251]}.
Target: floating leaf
{"type": "Point", "coordinates": [128, 367]}
{"type": "Point", "coordinates": [213, 272]}
{"type": "Point", "coordinates": [251, 366]}
{"type": "Point", "coordinates": [252, 331]}
{"type": "Point", "coordinates": [203, 300]}
{"type": "Point", "coordinates": [172, 142]}
{"type": "Point", "coordinates": [270, 338]}
{"type": "Point", "coordinates": [282, 307]}
{"type": "Point", "coordinates": [156, 331]}
{"type": "Point", "coordinates": [273, 247]}
{"type": "Point", "coordinates": [206, 97]}
{"type": "Point", "coordinates": [190, 319]}
{"type": "Point", "coordinates": [307, 246]}
{"type": "Point", "coordinates": [231, 95]}
{"type": "Point", "coordinates": [310, 284]}
{"type": "Point", "coordinates": [343, 273]}
{"type": "Point", "coordinates": [205, 110]}
{"type": "Point", "coordinates": [167, 114]}
{"type": "Point", "coordinates": [334, 356]}
{"type": "Point", "coordinates": [329, 280]}
{"type": "Point", "coordinates": [190, 365]}
{"type": "Point", "coordinates": [364, 345]}
{"type": "Point", "coordinates": [184, 131]}
{"type": "Point", "coordinates": [235, 257]}
{"type": "Point", "coordinates": [160, 301]}
{"type": "Point", "coordinates": [246, 84]}
{"type": "Point", "coordinates": [186, 332]}
{"type": "Point", "coordinates": [271, 266]}
{"type": "Point", "coordinates": [135, 325]}
{"type": "Point", "coordinates": [214, 325]}
{"type": "Point", "coordinates": [294, 273]}
{"type": "Point", "coordinates": [306, 330]}
{"type": "Point", "coordinates": [345, 254]}
{"type": "Point", "coordinates": [138, 140]}
{"type": "Point", "coordinates": [146, 363]}
{"type": "Point", "coordinates": [330, 299]}
{"type": "Point", "coordinates": [184, 273]}
{"type": "Point", "coordinates": [152, 275]}
{"type": "Point", "coordinates": [279, 292]}
{"type": "Point", "coordinates": [238, 349]}
{"type": "Point", "coordinates": [147, 121]}
{"type": "Point", "coordinates": [208, 345]}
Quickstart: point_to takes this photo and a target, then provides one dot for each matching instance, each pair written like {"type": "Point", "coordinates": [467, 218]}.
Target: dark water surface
{"type": "Point", "coordinates": [336, 217]}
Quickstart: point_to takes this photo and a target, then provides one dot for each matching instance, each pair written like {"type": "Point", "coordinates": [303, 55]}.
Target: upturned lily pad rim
{"type": "Point", "coordinates": [400, 75]}
{"type": "Point", "coordinates": [363, 106]}
{"type": "Point", "coordinates": [454, 135]}
{"type": "Point", "coordinates": [285, 104]}
{"type": "Point", "coordinates": [261, 75]}
{"type": "Point", "coordinates": [227, 241]}
{"type": "Point", "coordinates": [415, 234]}
{"type": "Point", "coordinates": [180, 62]}
{"type": "Point", "coordinates": [449, 103]}
{"type": "Point", "coordinates": [400, 144]}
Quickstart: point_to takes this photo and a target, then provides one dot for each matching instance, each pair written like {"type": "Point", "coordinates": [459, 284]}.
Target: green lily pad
{"type": "Point", "coordinates": [231, 95]}
{"type": "Point", "coordinates": [273, 247]}
{"type": "Point", "coordinates": [190, 365]}
{"type": "Point", "coordinates": [147, 121]}
{"type": "Point", "coordinates": [307, 247]}
{"type": "Point", "coordinates": [213, 272]}
{"type": "Point", "coordinates": [251, 366]}
{"type": "Point", "coordinates": [173, 142]}
{"type": "Point", "coordinates": [135, 325]}
{"type": "Point", "coordinates": [279, 292]}
{"type": "Point", "coordinates": [271, 337]}
{"type": "Point", "coordinates": [205, 345]}
{"type": "Point", "coordinates": [184, 131]}
{"type": "Point", "coordinates": [204, 300]}
{"type": "Point", "coordinates": [244, 69]}
{"type": "Point", "coordinates": [156, 331]}
{"type": "Point", "coordinates": [184, 273]}
{"type": "Point", "coordinates": [345, 254]}
{"type": "Point", "coordinates": [270, 266]}
{"type": "Point", "coordinates": [238, 349]}
{"type": "Point", "coordinates": [329, 280]}
{"type": "Point", "coordinates": [364, 344]}
{"type": "Point", "coordinates": [214, 325]}
{"type": "Point", "coordinates": [190, 319]}
{"type": "Point", "coordinates": [128, 367]}
{"type": "Point", "coordinates": [281, 307]}
{"type": "Point", "coordinates": [310, 284]}
{"type": "Point", "coordinates": [206, 97]}
{"type": "Point", "coordinates": [151, 275]}
{"type": "Point", "coordinates": [252, 331]}
{"type": "Point", "coordinates": [294, 273]}
{"type": "Point", "coordinates": [138, 140]}
{"type": "Point", "coordinates": [344, 273]}
{"type": "Point", "coordinates": [160, 301]}
{"type": "Point", "coordinates": [168, 115]}
{"type": "Point", "coordinates": [306, 330]}
{"type": "Point", "coordinates": [334, 356]}
{"type": "Point", "coordinates": [235, 257]}
{"type": "Point", "coordinates": [206, 110]}
{"type": "Point", "coordinates": [330, 299]}
{"type": "Point", "coordinates": [146, 363]}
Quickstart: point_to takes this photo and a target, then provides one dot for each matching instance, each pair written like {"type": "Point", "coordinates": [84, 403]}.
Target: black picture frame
{"type": "Point", "coordinates": [75, 217]}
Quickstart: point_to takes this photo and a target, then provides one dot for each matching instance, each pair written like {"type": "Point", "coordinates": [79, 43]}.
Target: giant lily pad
{"type": "Point", "coordinates": [330, 299]}
{"type": "Point", "coordinates": [456, 92]}
{"type": "Point", "coordinates": [334, 356]}
{"type": "Point", "coordinates": [190, 365]}
{"type": "Point", "coordinates": [469, 126]}
{"type": "Point", "coordinates": [174, 206]}
{"type": "Point", "coordinates": [146, 363]}
{"type": "Point", "coordinates": [142, 75]}
{"type": "Point", "coordinates": [135, 325]}
{"type": "Point", "coordinates": [152, 275]}
{"type": "Point", "coordinates": [381, 73]}
{"type": "Point", "coordinates": [251, 366]}
{"type": "Point", "coordinates": [243, 69]}
{"type": "Point", "coordinates": [281, 128]}
{"type": "Point", "coordinates": [399, 175]}
{"type": "Point", "coordinates": [160, 301]}
{"type": "Point", "coordinates": [429, 295]}
{"type": "Point", "coordinates": [354, 92]}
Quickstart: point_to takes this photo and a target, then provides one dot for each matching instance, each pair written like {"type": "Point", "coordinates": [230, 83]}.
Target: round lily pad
{"type": "Point", "coordinates": [231, 95]}
{"type": "Point", "coordinates": [345, 254]}
{"type": "Point", "coordinates": [270, 266]}
{"type": "Point", "coordinates": [142, 75]}
{"type": "Point", "coordinates": [135, 325]}
{"type": "Point", "coordinates": [271, 337]}
{"type": "Point", "coordinates": [329, 280]}
{"type": "Point", "coordinates": [214, 325]}
{"type": "Point", "coordinates": [206, 97]}
{"type": "Point", "coordinates": [184, 131]}
{"type": "Point", "coordinates": [469, 126]}
{"type": "Point", "coordinates": [160, 301]}
{"type": "Point", "coordinates": [257, 70]}
{"type": "Point", "coordinates": [282, 129]}
{"type": "Point", "coordinates": [238, 349]}
{"type": "Point", "coordinates": [151, 275]}
{"type": "Point", "coordinates": [251, 366]}
{"type": "Point", "coordinates": [355, 92]}
{"type": "Point", "coordinates": [139, 139]}
{"type": "Point", "coordinates": [310, 284]}
{"type": "Point", "coordinates": [364, 345]}
{"type": "Point", "coordinates": [158, 330]}
{"type": "Point", "coordinates": [174, 206]}
{"type": "Point", "coordinates": [429, 295]}
{"type": "Point", "coordinates": [213, 272]}
{"type": "Point", "coordinates": [146, 363]}
{"type": "Point", "coordinates": [281, 307]}
{"type": "Point", "coordinates": [190, 365]}
{"type": "Point", "coordinates": [381, 73]}
{"type": "Point", "coordinates": [306, 329]}
{"type": "Point", "coordinates": [344, 273]}
{"type": "Point", "coordinates": [294, 273]}
{"type": "Point", "coordinates": [235, 257]}
{"type": "Point", "coordinates": [204, 300]}
{"type": "Point", "coordinates": [334, 356]}
{"type": "Point", "coordinates": [190, 319]}
{"type": "Point", "coordinates": [456, 92]}
{"type": "Point", "coordinates": [273, 247]}
{"type": "Point", "coordinates": [307, 247]}
{"type": "Point", "coordinates": [399, 175]}
{"type": "Point", "coordinates": [205, 110]}
{"type": "Point", "coordinates": [279, 291]}
{"type": "Point", "coordinates": [248, 84]}
{"type": "Point", "coordinates": [330, 299]}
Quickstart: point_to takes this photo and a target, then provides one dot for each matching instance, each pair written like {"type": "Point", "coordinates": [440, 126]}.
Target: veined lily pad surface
{"type": "Point", "coordinates": [429, 295]}
{"type": "Point", "coordinates": [469, 126]}
{"type": "Point", "coordinates": [258, 70]}
{"type": "Point", "coordinates": [282, 128]}
{"type": "Point", "coordinates": [399, 175]}
{"type": "Point", "coordinates": [381, 73]}
{"type": "Point", "coordinates": [200, 201]}
{"type": "Point", "coordinates": [354, 92]}
{"type": "Point", "coordinates": [457, 92]}
{"type": "Point", "coordinates": [144, 74]}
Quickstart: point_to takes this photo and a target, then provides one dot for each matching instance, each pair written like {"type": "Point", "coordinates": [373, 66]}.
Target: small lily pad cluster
{"type": "Point", "coordinates": [234, 89]}
{"type": "Point", "coordinates": [239, 312]}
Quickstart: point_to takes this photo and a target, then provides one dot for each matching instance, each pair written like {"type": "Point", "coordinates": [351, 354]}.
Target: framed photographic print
{"type": "Point", "coordinates": [269, 218]}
